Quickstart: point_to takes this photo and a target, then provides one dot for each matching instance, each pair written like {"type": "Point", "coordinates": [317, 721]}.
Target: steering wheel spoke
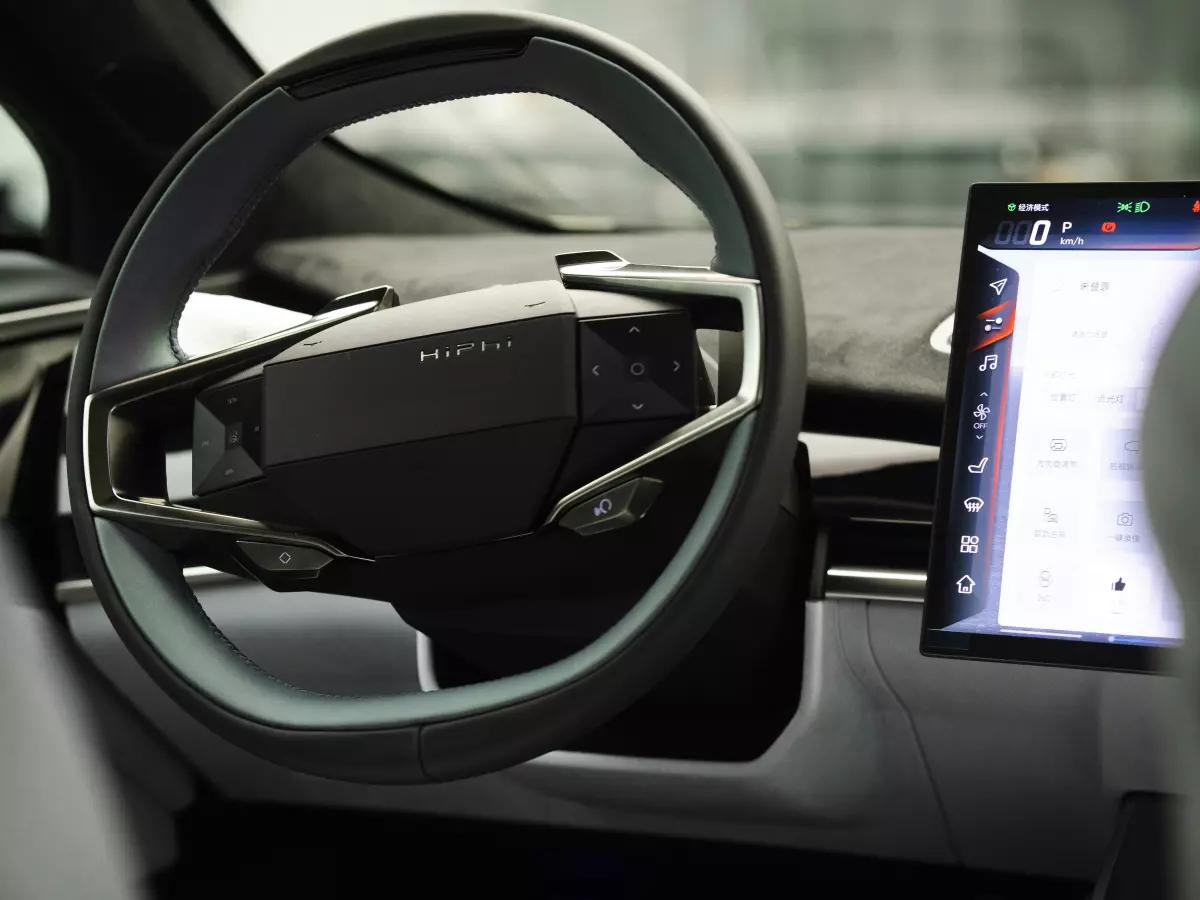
{"type": "Point", "coordinates": [713, 300]}
{"type": "Point", "coordinates": [125, 455]}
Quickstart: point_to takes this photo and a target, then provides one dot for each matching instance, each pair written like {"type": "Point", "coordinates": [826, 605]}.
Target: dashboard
{"type": "Point", "coordinates": [877, 751]}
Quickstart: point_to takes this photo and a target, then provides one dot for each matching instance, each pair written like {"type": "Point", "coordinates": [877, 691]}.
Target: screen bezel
{"type": "Point", "coordinates": [1017, 648]}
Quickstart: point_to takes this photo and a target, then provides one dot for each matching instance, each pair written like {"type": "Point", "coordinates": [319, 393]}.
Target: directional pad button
{"type": "Point", "coordinates": [637, 367]}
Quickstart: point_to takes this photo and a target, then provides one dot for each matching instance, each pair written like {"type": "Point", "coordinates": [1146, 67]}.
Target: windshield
{"type": "Point", "coordinates": [857, 111]}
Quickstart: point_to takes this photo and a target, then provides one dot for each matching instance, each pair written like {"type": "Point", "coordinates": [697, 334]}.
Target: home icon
{"type": "Point", "coordinates": [965, 584]}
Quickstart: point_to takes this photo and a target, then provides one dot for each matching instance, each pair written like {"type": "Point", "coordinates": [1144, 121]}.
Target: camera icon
{"type": "Point", "coordinates": [1125, 520]}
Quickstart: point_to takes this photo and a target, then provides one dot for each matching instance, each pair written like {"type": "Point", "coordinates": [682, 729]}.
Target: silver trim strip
{"type": "Point", "coordinates": [81, 590]}
{"type": "Point", "coordinates": [25, 323]}
{"type": "Point", "coordinates": [677, 281]}
{"type": "Point", "coordinates": [1028, 632]}
{"type": "Point", "coordinates": [885, 521]}
{"type": "Point", "coordinates": [855, 583]}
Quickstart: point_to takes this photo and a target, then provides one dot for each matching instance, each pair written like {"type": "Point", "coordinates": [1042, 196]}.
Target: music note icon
{"type": "Point", "coordinates": [989, 362]}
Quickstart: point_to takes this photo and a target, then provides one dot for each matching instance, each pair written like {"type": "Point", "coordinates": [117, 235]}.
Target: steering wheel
{"type": "Point", "coordinates": [359, 436]}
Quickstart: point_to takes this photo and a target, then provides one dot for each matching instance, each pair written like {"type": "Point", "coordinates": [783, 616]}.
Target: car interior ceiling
{"type": "Point", "coordinates": [804, 742]}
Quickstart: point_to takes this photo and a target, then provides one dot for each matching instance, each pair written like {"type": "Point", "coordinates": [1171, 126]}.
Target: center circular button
{"type": "Point", "coordinates": [637, 369]}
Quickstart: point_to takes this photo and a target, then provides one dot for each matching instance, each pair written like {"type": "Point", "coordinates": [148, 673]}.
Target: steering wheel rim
{"type": "Point", "coordinates": [193, 210]}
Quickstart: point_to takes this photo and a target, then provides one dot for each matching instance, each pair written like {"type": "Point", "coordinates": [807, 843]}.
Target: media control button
{"type": "Point", "coordinates": [233, 467]}
{"type": "Point", "coordinates": [208, 444]}
{"type": "Point", "coordinates": [227, 435]}
{"type": "Point", "coordinates": [615, 508]}
{"type": "Point", "coordinates": [284, 559]}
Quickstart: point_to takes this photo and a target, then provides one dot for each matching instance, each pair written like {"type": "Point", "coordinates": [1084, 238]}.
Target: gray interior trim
{"type": "Point", "coordinates": [22, 324]}
{"type": "Point", "coordinates": [859, 583]}
{"type": "Point", "coordinates": [1030, 762]}
{"type": "Point", "coordinates": [28, 280]}
{"type": "Point", "coordinates": [426, 674]}
{"type": "Point", "coordinates": [831, 455]}
{"type": "Point", "coordinates": [841, 583]}
{"type": "Point", "coordinates": [65, 833]}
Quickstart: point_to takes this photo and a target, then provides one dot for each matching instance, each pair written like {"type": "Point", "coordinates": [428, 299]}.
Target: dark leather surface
{"type": "Point", "coordinates": [28, 281]}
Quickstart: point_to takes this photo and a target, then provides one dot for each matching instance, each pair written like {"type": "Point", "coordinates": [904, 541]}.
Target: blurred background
{"type": "Point", "coordinates": [24, 192]}
{"type": "Point", "coordinates": [857, 111]}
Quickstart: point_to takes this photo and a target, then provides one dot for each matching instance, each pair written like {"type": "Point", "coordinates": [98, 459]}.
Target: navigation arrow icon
{"type": "Point", "coordinates": [998, 286]}
{"type": "Point", "coordinates": [595, 370]}
{"type": "Point", "coordinates": [633, 329]}
{"type": "Point", "coordinates": [637, 405]}
{"type": "Point", "coordinates": [676, 369]}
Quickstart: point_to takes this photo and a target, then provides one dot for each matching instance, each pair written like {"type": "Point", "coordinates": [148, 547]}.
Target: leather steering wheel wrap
{"type": "Point", "coordinates": [200, 201]}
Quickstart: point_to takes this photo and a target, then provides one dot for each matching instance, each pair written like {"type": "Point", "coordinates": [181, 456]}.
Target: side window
{"type": "Point", "coordinates": [24, 190]}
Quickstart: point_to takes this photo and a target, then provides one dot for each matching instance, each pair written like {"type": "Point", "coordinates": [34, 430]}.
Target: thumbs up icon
{"type": "Point", "coordinates": [1119, 584]}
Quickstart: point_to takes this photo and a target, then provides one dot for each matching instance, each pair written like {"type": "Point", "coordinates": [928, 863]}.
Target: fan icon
{"type": "Point", "coordinates": [981, 412]}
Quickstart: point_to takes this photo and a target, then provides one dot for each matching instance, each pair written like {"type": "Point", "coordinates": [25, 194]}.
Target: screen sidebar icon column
{"type": "Point", "coordinates": [980, 434]}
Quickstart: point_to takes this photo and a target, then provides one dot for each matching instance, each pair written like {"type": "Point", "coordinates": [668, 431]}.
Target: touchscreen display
{"type": "Point", "coordinates": [1066, 296]}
